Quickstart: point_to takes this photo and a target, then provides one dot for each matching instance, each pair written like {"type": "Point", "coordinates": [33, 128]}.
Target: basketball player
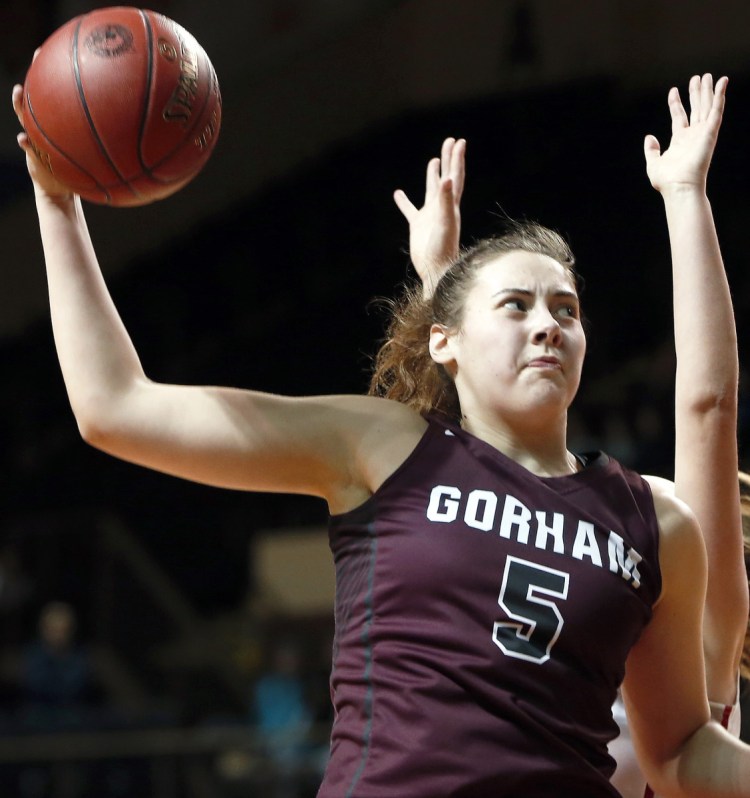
{"type": "Point", "coordinates": [705, 423]}
{"type": "Point", "coordinates": [490, 584]}
{"type": "Point", "coordinates": [705, 398]}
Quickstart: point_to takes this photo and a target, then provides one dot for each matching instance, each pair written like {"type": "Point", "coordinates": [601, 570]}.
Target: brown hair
{"type": "Point", "coordinates": [745, 508]}
{"type": "Point", "coordinates": [404, 370]}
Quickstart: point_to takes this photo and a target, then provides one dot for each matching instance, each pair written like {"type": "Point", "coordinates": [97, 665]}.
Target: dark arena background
{"type": "Point", "coordinates": [262, 273]}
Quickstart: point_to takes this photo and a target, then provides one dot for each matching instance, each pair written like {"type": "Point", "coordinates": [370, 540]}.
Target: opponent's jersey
{"type": "Point", "coordinates": [483, 618]}
{"type": "Point", "coordinates": [628, 778]}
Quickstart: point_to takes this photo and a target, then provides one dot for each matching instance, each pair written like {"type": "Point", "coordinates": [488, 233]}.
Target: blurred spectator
{"type": "Point", "coordinates": [56, 683]}
{"type": "Point", "coordinates": [284, 716]}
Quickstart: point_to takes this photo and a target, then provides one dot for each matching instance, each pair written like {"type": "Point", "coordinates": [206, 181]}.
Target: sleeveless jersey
{"type": "Point", "coordinates": [628, 778]}
{"type": "Point", "coordinates": [483, 618]}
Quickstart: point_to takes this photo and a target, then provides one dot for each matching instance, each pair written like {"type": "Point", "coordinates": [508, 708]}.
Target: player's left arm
{"type": "Point", "coordinates": [682, 752]}
{"type": "Point", "coordinates": [706, 458]}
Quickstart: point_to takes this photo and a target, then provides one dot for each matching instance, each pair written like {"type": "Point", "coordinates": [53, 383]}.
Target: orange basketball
{"type": "Point", "coordinates": [123, 105]}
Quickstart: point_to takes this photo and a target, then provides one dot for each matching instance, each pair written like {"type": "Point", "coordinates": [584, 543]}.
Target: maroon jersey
{"type": "Point", "coordinates": [483, 618]}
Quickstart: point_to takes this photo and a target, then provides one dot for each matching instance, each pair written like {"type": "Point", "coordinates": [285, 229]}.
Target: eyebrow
{"type": "Point", "coordinates": [527, 292]}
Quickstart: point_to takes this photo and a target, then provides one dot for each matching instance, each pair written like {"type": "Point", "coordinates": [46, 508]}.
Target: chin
{"type": "Point", "coordinates": [549, 404]}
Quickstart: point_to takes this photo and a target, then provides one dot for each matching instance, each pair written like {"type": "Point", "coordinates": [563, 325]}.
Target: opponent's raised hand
{"type": "Point", "coordinates": [687, 159]}
{"type": "Point", "coordinates": [435, 228]}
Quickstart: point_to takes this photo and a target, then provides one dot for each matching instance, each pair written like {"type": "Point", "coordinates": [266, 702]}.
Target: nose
{"type": "Point", "coordinates": [547, 329]}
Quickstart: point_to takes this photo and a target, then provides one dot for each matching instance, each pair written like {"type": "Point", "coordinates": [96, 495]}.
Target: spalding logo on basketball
{"type": "Point", "coordinates": [122, 105]}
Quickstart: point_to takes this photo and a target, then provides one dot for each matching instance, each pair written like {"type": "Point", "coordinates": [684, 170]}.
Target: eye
{"type": "Point", "coordinates": [514, 303]}
{"type": "Point", "coordinates": [568, 310]}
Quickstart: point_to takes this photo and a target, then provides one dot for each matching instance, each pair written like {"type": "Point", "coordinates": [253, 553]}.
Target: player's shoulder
{"type": "Point", "coordinates": [367, 411]}
{"type": "Point", "coordinates": [375, 436]}
{"type": "Point", "coordinates": [368, 430]}
{"type": "Point", "coordinates": [659, 485]}
{"type": "Point", "coordinates": [671, 512]}
{"type": "Point", "coordinates": [384, 428]}
{"type": "Point", "coordinates": [680, 540]}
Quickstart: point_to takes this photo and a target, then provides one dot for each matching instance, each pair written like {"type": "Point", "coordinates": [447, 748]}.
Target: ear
{"type": "Point", "coordinates": [441, 345]}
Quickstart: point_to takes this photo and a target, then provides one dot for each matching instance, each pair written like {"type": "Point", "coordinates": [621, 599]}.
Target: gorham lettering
{"type": "Point", "coordinates": [541, 529]}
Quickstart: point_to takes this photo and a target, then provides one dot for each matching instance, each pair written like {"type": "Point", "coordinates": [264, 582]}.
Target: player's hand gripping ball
{"type": "Point", "coordinates": [122, 105]}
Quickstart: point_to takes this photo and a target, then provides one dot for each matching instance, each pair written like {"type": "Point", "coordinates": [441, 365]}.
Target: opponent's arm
{"type": "Point", "coordinates": [682, 752]}
{"type": "Point", "coordinates": [707, 372]}
{"type": "Point", "coordinates": [435, 228]}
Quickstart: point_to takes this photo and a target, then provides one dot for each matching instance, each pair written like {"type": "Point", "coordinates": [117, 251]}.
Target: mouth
{"type": "Point", "coordinates": [551, 363]}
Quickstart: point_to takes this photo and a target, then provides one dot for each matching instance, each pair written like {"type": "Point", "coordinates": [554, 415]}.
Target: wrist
{"type": "Point", "coordinates": [58, 206]}
{"type": "Point", "coordinates": [677, 190]}
{"type": "Point", "coordinates": [44, 198]}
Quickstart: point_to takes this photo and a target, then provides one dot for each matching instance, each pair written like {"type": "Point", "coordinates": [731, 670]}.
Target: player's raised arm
{"type": "Point", "coordinates": [222, 436]}
{"type": "Point", "coordinates": [707, 372]}
{"type": "Point", "coordinates": [435, 228]}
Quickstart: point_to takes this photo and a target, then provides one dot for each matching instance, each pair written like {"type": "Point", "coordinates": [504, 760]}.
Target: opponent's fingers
{"type": "Point", "coordinates": [676, 110]}
{"type": "Point", "coordinates": [446, 155]}
{"type": "Point", "coordinates": [695, 95]}
{"type": "Point", "coordinates": [405, 205]}
{"type": "Point", "coordinates": [718, 100]}
{"type": "Point", "coordinates": [446, 196]}
{"type": "Point", "coordinates": [707, 95]}
{"type": "Point", "coordinates": [432, 178]}
{"type": "Point", "coordinates": [458, 168]}
{"type": "Point", "coordinates": [651, 149]}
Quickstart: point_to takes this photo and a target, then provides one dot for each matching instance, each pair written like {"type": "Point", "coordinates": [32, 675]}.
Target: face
{"type": "Point", "coordinates": [520, 346]}
{"type": "Point", "coordinates": [57, 627]}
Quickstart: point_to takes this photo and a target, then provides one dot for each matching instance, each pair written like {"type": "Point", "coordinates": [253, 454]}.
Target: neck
{"type": "Point", "coordinates": [541, 451]}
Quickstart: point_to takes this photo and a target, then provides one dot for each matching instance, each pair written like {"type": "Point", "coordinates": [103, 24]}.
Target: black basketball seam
{"type": "Point", "coordinates": [86, 111]}
{"type": "Point", "coordinates": [62, 152]}
{"type": "Point", "coordinates": [146, 170]}
{"type": "Point", "coordinates": [149, 83]}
